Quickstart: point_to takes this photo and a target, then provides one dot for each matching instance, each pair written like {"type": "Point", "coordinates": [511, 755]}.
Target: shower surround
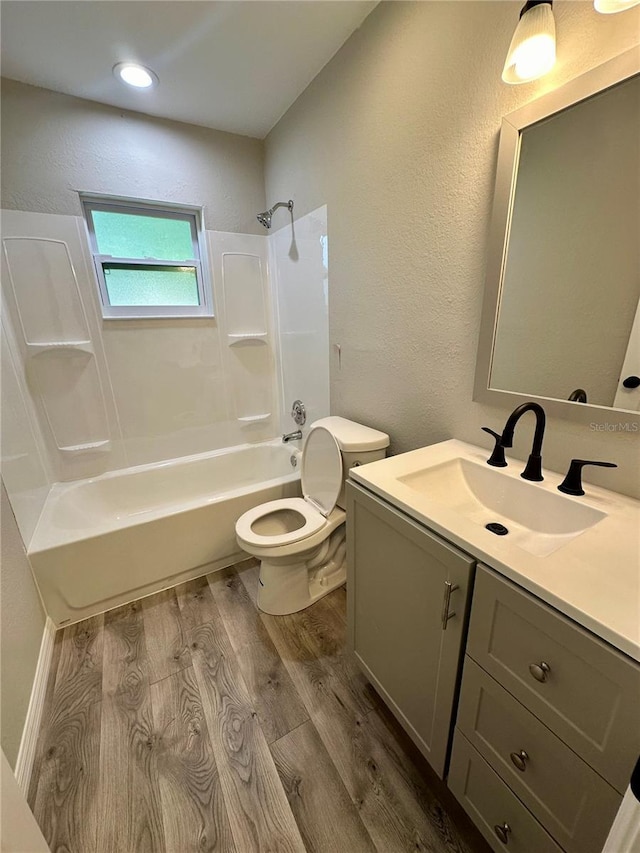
{"type": "Point", "coordinates": [83, 396]}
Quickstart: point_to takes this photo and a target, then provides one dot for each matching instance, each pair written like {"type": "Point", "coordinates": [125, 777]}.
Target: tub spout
{"type": "Point", "coordinates": [292, 436]}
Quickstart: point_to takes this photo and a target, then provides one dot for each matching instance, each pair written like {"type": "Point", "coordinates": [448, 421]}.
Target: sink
{"type": "Point", "coordinates": [537, 520]}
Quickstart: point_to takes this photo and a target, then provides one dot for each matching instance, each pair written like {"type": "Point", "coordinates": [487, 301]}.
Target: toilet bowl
{"type": "Point", "coordinates": [300, 542]}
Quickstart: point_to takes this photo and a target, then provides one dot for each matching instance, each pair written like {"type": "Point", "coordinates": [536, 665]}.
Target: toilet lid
{"type": "Point", "coordinates": [321, 471]}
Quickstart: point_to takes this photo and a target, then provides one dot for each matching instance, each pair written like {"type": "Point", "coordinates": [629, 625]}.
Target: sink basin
{"type": "Point", "coordinates": [537, 520]}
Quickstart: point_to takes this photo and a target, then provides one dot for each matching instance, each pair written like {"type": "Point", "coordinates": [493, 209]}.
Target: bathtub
{"type": "Point", "coordinates": [111, 539]}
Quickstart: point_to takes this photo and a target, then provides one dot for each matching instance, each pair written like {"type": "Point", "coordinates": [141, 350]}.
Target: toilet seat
{"type": "Point", "coordinates": [321, 479]}
{"type": "Point", "coordinates": [313, 521]}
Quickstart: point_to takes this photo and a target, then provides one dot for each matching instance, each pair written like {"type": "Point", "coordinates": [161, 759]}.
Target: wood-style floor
{"type": "Point", "coordinates": [189, 721]}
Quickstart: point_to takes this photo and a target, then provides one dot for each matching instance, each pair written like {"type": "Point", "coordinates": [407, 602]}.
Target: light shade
{"type": "Point", "coordinates": [135, 75]}
{"type": "Point", "coordinates": [532, 52]}
{"type": "Point", "coordinates": [608, 7]}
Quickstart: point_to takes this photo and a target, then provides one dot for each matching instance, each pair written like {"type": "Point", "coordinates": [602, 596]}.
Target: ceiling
{"type": "Point", "coordinates": [235, 66]}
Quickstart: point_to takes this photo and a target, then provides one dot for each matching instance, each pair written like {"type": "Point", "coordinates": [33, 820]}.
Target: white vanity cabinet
{"type": "Point", "coordinates": [407, 601]}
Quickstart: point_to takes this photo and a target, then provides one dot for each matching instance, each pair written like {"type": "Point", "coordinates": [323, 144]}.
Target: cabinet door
{"type": "Point", "coordinates": [398, 573]}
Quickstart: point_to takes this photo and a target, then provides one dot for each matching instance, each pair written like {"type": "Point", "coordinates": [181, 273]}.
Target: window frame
{"type": "Point", "coordinates": [160, 210]}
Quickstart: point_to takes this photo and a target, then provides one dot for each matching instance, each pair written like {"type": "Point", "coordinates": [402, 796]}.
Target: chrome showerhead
{"type": "Point", "coordinates": [265, 218]}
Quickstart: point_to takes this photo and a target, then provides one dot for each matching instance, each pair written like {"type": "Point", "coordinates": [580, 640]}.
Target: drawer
{"type": "Point", "coordinates": [571, 801]}
{"type": "Point", "coordinates": [491, 805]}
{"type": "Point", "coordinates": [590, 693]}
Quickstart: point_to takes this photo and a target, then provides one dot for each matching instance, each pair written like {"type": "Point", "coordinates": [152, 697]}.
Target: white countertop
{"type": "Point", "coordinates": [594, 579]}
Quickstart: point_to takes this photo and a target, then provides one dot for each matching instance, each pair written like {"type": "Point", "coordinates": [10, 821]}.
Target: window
{"type": "Point", "coordinates": [147, 257]}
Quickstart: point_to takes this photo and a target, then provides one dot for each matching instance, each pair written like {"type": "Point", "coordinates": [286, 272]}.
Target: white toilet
{"type": "Point", "coordinates": [301, 541]}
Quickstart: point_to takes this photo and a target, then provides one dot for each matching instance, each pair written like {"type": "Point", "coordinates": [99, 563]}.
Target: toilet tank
{"type": "Point", "coordinates": [359, 445]}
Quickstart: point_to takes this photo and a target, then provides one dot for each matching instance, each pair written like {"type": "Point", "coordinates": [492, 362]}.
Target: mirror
{"type": "Point", "coordinates": [562, 306]}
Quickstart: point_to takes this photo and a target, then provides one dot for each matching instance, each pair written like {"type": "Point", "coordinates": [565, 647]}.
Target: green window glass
{"type": "Point", "coordinates": [132, 235]}
{"type": "Point", "coordinates": [129, 284]}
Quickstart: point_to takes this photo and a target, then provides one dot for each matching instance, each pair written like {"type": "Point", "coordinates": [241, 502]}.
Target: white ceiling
{"type": "Point", "coordinates": [236, 66]}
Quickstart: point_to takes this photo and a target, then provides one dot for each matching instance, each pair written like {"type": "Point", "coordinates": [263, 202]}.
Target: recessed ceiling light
{"type": "Point", "coordinates": [135, 75]}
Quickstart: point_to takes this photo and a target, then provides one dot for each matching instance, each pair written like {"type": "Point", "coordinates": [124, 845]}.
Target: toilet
{"type": "Point", "coordinates": [300, 542]}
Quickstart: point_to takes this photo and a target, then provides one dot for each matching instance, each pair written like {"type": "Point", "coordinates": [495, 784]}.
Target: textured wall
{"type": "Point", "coordinates": [22, 619]}
{"type": "Point", "coordinates": [398, 136]}
{"type": "Point", "coordinates": [54, 145]}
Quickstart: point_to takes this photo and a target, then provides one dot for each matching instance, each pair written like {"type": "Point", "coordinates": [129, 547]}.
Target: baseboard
{"type": "Point", "coordinates": [31, 730]}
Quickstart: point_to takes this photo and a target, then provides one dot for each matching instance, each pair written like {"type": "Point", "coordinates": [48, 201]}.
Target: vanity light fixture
{"type": "Point", "coordinates": [532, 52]}
{"type": "Point", "coordinates": [135, 75]}
{"type": "Point", "coordinates": [608, 7]}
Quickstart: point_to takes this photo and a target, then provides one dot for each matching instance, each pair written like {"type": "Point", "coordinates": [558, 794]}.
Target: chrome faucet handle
{"type": "Point", "coordinates": [572, 483]}
{"type": "Point", "coordinates": [497, 457]}
{"type": "Point", "coordinates": [298, 412]}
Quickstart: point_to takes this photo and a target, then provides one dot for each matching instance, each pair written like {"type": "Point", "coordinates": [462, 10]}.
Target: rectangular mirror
{"type": "Point", "coordinates": [561, 319]}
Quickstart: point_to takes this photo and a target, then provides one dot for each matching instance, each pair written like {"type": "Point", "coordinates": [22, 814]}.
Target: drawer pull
{"type": "Point", "coordinates": [448, 589]}
{"type": "Point", "coordinates": [502, 832]}
{"type": "Point", "coordinates": [520, 759]}
{"type": "Point", "coordinates": [539, 670]}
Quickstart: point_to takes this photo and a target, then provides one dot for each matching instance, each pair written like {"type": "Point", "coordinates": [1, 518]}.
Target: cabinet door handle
{"type": "Point", "coordinates": [448, 589]}
{"type": "Point", "coordinates": [520, 759]}
{"type": "Point", "coordinates": [502, 831]}
{"type": "Point", "coordinates": [540, 670]}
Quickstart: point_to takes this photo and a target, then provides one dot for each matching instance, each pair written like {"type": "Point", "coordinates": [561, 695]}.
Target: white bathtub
{"type": "Point", "coordinates": [114, 538]}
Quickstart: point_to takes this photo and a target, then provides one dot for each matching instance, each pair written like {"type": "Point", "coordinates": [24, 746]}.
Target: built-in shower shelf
{"type": "Point", "coordinates": [90, 447]}
{"type": "Point", "coordinates": [60, 346]}
{"type": "Point", "coordinates": [257, 338]}
{"type": "Point", "coordinates": [254, 419]}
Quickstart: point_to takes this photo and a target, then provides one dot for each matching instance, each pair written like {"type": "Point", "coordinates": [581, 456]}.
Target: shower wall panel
{"type": "Point", "coordinates": [25, 472]}
{"type": "Point", "coordinates": [51, 311]}
{"type": "Point", "coordinates": [242, 290]}
{"type": "Point", "coordinates": [299, 263]}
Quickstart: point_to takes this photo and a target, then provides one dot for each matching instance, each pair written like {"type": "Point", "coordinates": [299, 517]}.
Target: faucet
{"type": "Point", "coordinates": [292, 436]}
{"type": "Point", "coordinates": [533, 468]}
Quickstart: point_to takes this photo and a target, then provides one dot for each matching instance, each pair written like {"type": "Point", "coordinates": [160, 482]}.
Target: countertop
{"type": "Point", "coordinates": [594, 579]}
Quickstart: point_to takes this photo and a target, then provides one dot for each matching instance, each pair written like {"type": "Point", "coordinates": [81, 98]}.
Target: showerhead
{"type": "Point", "coordinates": [265, 218]}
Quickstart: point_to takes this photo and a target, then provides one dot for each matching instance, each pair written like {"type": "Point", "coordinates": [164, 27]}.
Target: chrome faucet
{"type": "Point", "coordinates": [533, 468]}
{"type": "Point", "coordinates": [292, 436]}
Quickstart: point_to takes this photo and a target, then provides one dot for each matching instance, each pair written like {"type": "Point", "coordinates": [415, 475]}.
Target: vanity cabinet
{"type": "Point", "coordinates": [547, 728]}
{"type": "Point", "coordinates": [551, 712]}
{"type": "Point", "coordinates": [407, 600]}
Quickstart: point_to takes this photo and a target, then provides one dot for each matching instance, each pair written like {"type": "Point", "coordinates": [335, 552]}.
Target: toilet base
{"type": "Point", "coordinates": [287, 587]}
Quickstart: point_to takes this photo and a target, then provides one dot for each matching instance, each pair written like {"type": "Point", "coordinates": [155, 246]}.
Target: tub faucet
{"type": "Point", "coordinates": [533, 468]}
{"type": "Point", "coordinates": [292, 436]}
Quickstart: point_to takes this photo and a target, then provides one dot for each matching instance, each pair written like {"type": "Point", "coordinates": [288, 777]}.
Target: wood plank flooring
{"type": "Point", "coordinates": [189, 721]}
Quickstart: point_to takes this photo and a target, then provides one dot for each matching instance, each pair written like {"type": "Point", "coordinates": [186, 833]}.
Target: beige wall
{"type": "Point", "coordinates": [22, 623]}
{"type": "Point", "coordinates": [54, 145]}
{"type": "Point", "coordinates": [398, 136]}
